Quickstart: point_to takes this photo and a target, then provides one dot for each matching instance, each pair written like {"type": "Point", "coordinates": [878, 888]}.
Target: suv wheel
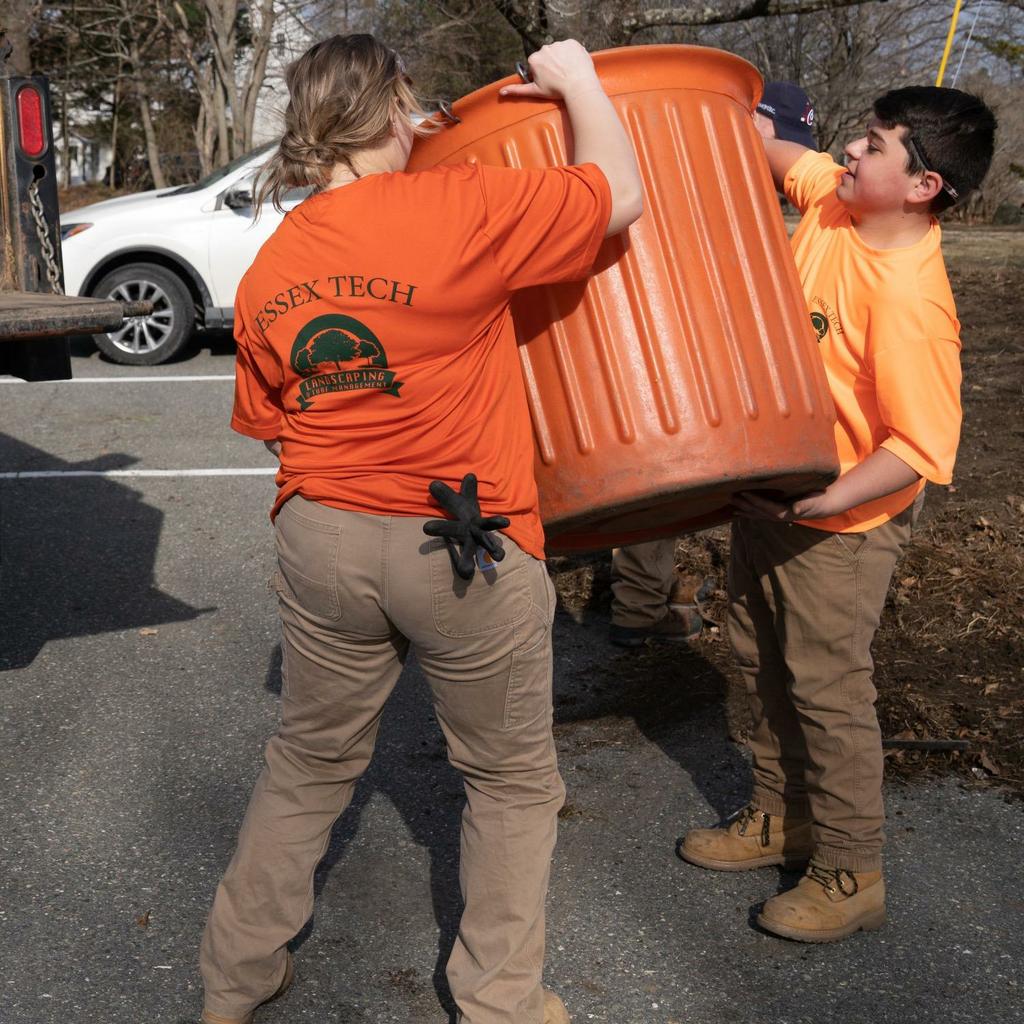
{"type": "Point", "coordinates": [147, 340]}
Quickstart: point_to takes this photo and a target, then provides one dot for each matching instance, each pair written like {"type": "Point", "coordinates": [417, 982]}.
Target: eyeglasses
{"type": "Point", "coordinates": [916, 150]}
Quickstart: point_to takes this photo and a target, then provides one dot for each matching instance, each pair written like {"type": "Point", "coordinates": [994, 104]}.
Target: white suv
{"type": "Point", "coordinates": [184, 249]}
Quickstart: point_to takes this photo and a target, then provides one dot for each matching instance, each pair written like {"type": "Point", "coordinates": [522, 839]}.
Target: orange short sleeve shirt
{"type": "Point", "coordinates": [888, 335]}
{"type": "Point", "coordinates": [375, 340]}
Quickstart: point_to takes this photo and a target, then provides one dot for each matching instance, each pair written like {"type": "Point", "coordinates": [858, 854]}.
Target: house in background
{"type": "Point", "coordinates": [88, 155]}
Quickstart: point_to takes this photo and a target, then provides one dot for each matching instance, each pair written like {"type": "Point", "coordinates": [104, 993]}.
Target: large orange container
{"type": "Point", "coordinates": [686, 368]}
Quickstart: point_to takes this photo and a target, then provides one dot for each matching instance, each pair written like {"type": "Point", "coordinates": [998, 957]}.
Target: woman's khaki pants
{"type": "Point", "coordinates": [355, 591]}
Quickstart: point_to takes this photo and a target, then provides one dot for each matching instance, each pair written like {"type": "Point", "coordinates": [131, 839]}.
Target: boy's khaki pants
{"type": "Point", "coordinates": [803, 609]}
{"type": "Point", "coordinates": [355, 590]}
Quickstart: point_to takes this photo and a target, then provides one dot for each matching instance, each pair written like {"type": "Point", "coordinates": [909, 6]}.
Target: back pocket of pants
{"type": "Point", "coordinates": [307, 558]}
{"type": "Point", "coordinates": [492, 600]}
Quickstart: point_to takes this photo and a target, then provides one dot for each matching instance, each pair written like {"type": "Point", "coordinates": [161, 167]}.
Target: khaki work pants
{"type": "Point", "coordinates": [643, 576]}
{"type": "Point", "coordinates": [355, 591]}
{"type": "Point", "coordinates": [804, 606]}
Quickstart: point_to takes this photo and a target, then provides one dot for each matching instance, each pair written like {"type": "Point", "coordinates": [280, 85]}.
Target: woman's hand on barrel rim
{"type": "Point", "coordinates": [559, 70]}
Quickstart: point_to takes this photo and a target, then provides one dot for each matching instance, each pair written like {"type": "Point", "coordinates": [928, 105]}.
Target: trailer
{"type": "Point", "coordinates": [36, 317]}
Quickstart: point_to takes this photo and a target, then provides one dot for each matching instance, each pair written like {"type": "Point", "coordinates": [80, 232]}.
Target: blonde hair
{"type": "Point", "coordinates": [344, 93]}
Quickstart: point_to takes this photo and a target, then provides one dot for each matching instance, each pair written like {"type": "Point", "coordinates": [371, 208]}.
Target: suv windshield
{"type": "Point", "coordinates": [222, 172]}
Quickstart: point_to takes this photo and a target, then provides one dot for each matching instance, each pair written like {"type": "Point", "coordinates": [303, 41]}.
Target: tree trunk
{"type": "Point", "coordinates": [15, 24]}
{"type": "Point", "coordinates": [114, 112]}
{"type": "Point", "coordinates": [175, 17]}
{"type": "Point", "coordinates": [222, 31]}
{"type": "Point", "coordinates": [245, 118]}
{"type": "Point", "coordinates": [146, 117]}
{"type": "Point", "coordinates": [204, 143]}
{"type": "Point", "coordinates": [152, 149]}
{"type": "Point", "coordinates": [221, 121]}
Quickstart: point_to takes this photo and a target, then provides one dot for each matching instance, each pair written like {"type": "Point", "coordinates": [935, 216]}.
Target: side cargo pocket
{"type": "Point", "coordinates": [529, 682]}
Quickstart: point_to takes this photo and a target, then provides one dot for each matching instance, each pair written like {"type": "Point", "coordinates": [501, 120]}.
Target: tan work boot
{"type": "Point", "coordinates": [752, 839]}
{"type": "Point", "coordinates": [289, 974]}
{"type": "Point", "coordinates": [554, 1009]}
{"type": "Point", "coordinates": [827, 905]}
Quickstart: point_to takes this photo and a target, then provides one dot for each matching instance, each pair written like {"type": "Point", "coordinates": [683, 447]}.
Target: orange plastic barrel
{"type": "Point", "coordinates": [686, 368]}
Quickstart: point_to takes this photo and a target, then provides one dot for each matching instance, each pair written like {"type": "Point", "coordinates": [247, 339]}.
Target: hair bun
{"type": "Point", "coordinates": [307, 150]}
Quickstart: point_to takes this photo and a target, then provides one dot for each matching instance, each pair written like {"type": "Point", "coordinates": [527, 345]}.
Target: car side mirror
{"type": "Point", "coordinates": [239, 197]}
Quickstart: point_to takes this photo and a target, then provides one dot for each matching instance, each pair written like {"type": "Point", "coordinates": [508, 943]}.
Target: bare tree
{"type": "Point", "coordinates": [226, 44]}
{"type": "Point", "coordinates": [451, 46]}
{"type": "Point", "coordinates": [155, 69]}
{"type": "Point", "coordinates": [844, 58]}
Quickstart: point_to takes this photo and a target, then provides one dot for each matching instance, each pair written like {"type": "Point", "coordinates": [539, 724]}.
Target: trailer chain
{"type": "Point", "coordinates": [43, 233]}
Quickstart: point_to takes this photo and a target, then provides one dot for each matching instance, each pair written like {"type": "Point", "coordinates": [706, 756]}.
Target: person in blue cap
{"type": "Point", "coordinates": [786, 112]}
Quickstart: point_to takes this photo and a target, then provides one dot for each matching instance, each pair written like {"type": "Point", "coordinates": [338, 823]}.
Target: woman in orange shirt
{"type": "Point", "coordinates": [376, 356]}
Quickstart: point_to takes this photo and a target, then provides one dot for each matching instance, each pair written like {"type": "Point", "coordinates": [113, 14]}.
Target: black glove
{"type": "Point", "coordinates": [467, 530]}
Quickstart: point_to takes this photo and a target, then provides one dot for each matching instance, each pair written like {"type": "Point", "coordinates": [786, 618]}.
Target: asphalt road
{"type": "Point", "coordinates": [140, 678]}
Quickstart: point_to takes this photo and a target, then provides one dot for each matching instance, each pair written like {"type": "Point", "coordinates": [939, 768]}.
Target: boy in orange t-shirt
{"type": "Point", "coordinates": [808, 579]}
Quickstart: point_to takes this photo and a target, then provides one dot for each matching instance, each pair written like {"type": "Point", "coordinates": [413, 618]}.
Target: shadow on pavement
{"type": "Point", "coordinates": [669, 693]}
{"type": "Point", "coordinates": [76, 555]}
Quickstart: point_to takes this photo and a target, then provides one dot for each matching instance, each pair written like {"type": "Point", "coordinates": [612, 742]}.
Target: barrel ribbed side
{"type": "Point", "coordinates": [685, 368]}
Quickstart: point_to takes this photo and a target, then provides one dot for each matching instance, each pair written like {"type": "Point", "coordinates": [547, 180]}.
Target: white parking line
{"type": "Point", "coordinates": [42, 474]}
{"type": "Point", "coordinates": [119, 380]}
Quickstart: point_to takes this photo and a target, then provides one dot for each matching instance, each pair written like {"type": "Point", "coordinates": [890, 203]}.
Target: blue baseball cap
{"type": "Point", "coordinates": [790, 108]}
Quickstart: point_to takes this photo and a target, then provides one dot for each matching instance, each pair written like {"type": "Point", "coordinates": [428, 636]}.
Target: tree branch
{"type": "Point", "coordinates": [692, 15]}
{"type": "Point", "coordinates": [527, 24]}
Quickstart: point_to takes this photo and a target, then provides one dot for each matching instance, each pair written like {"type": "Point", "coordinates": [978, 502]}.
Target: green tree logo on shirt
{"type": "Point", "coordinates": [820, 324]}
{"type": "Point", "coordinates": [339, 353]}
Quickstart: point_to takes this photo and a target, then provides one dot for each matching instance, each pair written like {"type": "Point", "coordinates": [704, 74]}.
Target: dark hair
{"type": "Point", "coordinates": [944, 130]}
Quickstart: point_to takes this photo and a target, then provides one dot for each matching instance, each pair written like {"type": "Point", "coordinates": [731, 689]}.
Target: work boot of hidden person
{"type": "Point", "coordinates": [678, 625]}
{"type": "Point", "coordinates": [828, 904]}
{"type": "Point", "coordinates": [209, 1017]}
{"type": "Point", "coordinates": [752, 839]}
{"type": "Point", "coordinates": [554, 1009]}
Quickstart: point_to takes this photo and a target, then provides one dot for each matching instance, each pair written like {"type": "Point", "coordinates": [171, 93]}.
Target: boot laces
{"type": "Point", "coordinates": [746, 817]}
{"type": "Point", "coordinates": [833, 880]}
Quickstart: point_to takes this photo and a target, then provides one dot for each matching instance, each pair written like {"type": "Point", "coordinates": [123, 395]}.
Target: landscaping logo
{"type": "Point", "coordinates": [338, 353]}
{"type": "Point", "coordinates": [820, 324]}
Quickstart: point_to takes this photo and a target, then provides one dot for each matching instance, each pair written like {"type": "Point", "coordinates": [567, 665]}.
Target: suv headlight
{"type": "Point", "coordinates": [67, 230]}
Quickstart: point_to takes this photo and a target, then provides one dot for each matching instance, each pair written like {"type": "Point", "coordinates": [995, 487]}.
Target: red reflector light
{"type": "Point", "coordinates": [31, 130]}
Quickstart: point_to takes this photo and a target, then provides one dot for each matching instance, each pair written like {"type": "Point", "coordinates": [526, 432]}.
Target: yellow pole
{"type": "Point", "coordinates": [949, 40]}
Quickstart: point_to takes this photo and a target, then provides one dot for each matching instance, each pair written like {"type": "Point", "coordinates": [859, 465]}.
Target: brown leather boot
{"type": "Point", "coordinates": [679, 624]}
{"type": "Point", "coordinates": [209, 1017]}
{"type": "Point", "coordinates": [752, 839]}
{"type": "Point", "coordinates": [827, 905]}
{"type": "Point", "coordinates": [554, 1009]}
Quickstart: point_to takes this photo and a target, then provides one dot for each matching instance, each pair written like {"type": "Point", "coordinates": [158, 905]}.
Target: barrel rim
{"type": "Point", "coordinates": [454, 137]}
